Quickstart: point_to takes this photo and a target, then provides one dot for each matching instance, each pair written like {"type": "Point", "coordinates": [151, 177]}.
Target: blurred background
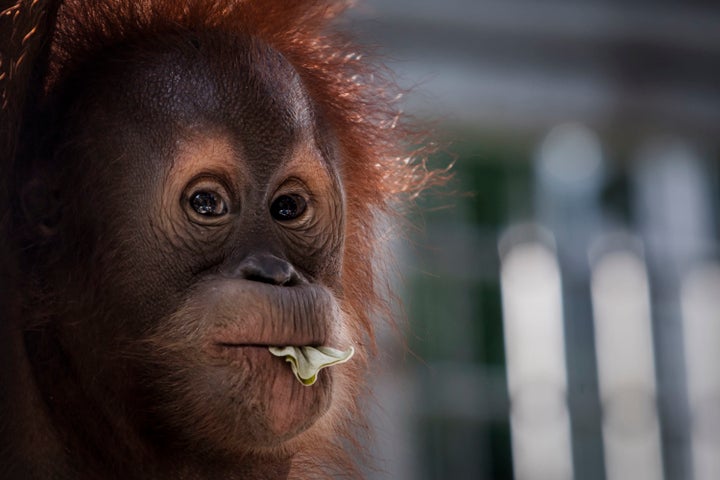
{"type": "Point", "coordinates": [565, 307]}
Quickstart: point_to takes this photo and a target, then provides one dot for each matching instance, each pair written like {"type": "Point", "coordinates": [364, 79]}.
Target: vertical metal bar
{"type": "Point", "coordinates": [626, 366]}
{"type": "Point", "coordinates": [700, 299]}
{"type": "Point", "coordinates": [673, 205]}
{"type": "Point", "coordinates": [535, 355]}
{"type": "Point", "coordinates": [570, 174]}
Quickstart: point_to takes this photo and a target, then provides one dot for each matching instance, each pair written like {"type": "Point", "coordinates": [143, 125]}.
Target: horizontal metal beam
{"type": "Point", "coordinates": [527, 65]}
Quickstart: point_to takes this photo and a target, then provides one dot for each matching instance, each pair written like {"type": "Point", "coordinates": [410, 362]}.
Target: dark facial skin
{"type": "Point", "coordinates": [203, 221]}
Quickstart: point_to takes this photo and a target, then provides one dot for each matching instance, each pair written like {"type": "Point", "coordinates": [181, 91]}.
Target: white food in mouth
{"type": "Point", "coordinates": [306, 362]}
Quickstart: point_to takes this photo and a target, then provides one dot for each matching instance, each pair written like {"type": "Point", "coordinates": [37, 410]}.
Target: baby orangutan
{"type": "Point", "coordinates": [191, 191]}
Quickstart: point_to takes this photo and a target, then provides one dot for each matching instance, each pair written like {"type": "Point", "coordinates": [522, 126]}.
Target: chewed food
{"type": "Point", "coordinates": [306, 362]}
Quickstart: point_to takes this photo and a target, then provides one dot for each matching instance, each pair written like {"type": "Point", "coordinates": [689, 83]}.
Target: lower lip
{"type": "Point", "coordinates": [254, 355]}
{"type": "Point", "coordinates": [233, 350]}
{"type": "Point", "coordinates": [257, 358]}
{"type": "Point", "coordinates": [289, 405]}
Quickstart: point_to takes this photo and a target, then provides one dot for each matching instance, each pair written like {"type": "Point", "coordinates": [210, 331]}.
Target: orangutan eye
{"type": "Point", "coordinates": [287, 207]}
{"type": "Point", "coordinates": [208, 203]}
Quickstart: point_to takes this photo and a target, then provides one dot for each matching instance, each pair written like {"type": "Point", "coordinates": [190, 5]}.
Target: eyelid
{"type": "Point", "coordinates": [293, 186]}
{"type": "Point", "coordinates": [218, 178]}
{"type": "Point", "coordinates": [212, 180]}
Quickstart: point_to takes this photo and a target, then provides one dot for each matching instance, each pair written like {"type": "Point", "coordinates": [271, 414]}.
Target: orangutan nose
{"type": "Point", "coordinates": [268, 269]}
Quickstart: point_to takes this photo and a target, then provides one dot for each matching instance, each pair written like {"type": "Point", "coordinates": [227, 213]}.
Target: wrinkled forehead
{"type": "Point", "coordinates": [233, 81]}
{"type": "Point", "coordinates": [150, 93]}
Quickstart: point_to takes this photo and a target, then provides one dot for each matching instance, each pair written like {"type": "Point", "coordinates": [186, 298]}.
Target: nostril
{"type": "Point", "coordinates": [268, 269]}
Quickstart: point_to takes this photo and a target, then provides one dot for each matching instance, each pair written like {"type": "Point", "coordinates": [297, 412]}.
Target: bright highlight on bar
{"type": "Point", "coordinates": [535, 352]}
{"type": "Point", "coordinates": [700, 297]}
{"type": "Point", "coordinates": [626, 368]}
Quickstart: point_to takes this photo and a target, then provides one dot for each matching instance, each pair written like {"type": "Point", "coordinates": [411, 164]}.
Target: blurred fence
{"type": "Point", "coordinates": [613, 321]}
{"type": "Point", "coordinates": [566, 319]}
{"type": "Point", "coordinates": [565, 311]}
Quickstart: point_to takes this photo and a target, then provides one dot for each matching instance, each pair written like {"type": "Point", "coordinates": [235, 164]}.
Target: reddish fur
{"type": "Point", "coordinates": [355, 96]}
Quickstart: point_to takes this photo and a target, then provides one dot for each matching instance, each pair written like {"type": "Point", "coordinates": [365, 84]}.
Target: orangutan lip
{"type": "Point", "coordinates": [297, 316]}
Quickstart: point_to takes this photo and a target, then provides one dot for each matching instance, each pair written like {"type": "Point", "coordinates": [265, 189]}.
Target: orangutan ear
{"type": "Point", "coordinates": [40, 207]}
